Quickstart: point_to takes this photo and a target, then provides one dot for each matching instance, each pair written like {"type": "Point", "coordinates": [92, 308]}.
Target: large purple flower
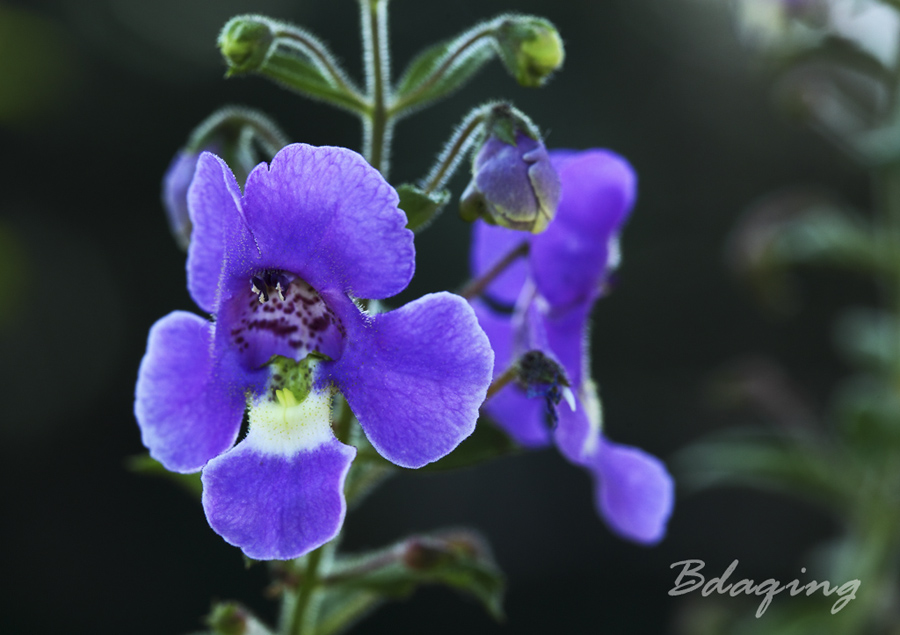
{"type": "Point", "coordinates": [551, 294]}
{"type": "Point", "coordinates": [279, 269]}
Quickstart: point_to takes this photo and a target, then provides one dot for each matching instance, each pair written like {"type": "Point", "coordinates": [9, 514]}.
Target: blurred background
{"type": "Point", "coordinates": [95, 99]}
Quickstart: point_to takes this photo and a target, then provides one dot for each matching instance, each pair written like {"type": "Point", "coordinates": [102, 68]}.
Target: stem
{"type": "Point", "coordinates": [485, 31]}
{"type": "Point", "coordinates": [454, 151]}
{"type": "Point", "coordinates": [500, 382]}
{"type": "Point", "coordinates": [477, 286]}
{"type": "Point", "coordinates": [378, 128]}
{"type": "Point", "coordinates": [298, 624]}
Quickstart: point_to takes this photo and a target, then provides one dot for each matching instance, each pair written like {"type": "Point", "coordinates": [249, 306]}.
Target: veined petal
{"type": "Point", "coordinates": [331, 218]}
{"type": "Point", "coordinates": [214, 203]}
{"type": "Point", "coordinates": [569, 261]}
{"type": "Point", "coordinates": [490, 243]}
{"type": "Point", "coordinates": [278, 494]}
{"type": "Point", "coordinates": [187, 411]}
{"type": "Point", "coordinates": [634, 491]}
{"type": "Point", "coordinates": [414, 377]}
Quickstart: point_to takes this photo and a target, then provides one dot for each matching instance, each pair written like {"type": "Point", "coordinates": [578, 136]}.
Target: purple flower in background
{"type": "Point", "coordinates": [279, 268]}
{"type": "Point", "coordinates": [552, 292]}
{"type": "Point", "coordinates": [176, 182]}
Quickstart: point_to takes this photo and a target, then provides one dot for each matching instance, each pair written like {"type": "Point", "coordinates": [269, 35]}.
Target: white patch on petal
{"type": "Point", "coordinates": [587, 393]}
{"type": "Point", "coordinates": [285, 427]}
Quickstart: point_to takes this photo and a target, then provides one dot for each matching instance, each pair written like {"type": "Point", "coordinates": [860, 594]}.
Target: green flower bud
{"type": "Point", "coordinates": [245, 42]}
{"type": "Point", "coordinates": [530, 48]}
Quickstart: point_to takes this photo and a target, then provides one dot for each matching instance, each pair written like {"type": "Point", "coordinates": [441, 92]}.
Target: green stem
{"type": "Point", "coordinates": [299, 624]}
{"type": "Point", "coordinates": [477, 286]}
{"type": "Point", "coordinates": [378, 128]}
{"type": "Point", "coordinates": [448, 160]}
{"type": "Point", "coordinates": [500, 382]}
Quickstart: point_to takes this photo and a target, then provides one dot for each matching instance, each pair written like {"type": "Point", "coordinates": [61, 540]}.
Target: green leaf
{"type": "Point", "coordinates": [145, 464]}
{"type": "Point", "coordinates": [444, 68]}
{"type": "Point", "coordinates": [869, 338]}
{"type": "Point", "coordinates": [486, 443]}
{"type": "Point", "coordinates": [421, 208]}
{"type": "Point", "coordinates": [460, 560]}
{"type": "Point", "coordinates": [801, 466]}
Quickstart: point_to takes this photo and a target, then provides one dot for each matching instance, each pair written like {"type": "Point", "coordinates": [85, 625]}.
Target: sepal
{"type": "Point", "coordinates": [421, 207]}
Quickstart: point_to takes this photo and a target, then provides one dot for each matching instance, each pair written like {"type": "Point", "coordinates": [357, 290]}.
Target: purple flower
{"type": "Point", "coordinates": [552, 292]}
{"type": "Point", "coordinates": [176, 182]}
{"type": "Point", "coordinates": [279, 268]}
{"type": "Point", "coordinates": [513, 185]}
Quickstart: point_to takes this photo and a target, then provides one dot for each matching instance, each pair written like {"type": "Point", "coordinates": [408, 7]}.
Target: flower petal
{"type": "Point", "coordinates": [523, 418]}
{"type": "Point", "coordinates": [214, 203]}
{"type": "Point", "coordinates": [569, 261]}
{"type": "Point", "coordinates": [634, 492]}
{"type": "Point", "coordinates": [277, 506]}
{"type": "Point", "coordinates": [187, 412]}
{"type": "Point", "coordinates": [490, 244]}
{"type": "Point", "coordinates": [329, 217]}
{"type": "Point", "coordinates": [414, 377]}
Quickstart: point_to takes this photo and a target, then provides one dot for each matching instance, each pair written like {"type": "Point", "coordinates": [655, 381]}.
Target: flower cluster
{"type": "Point", "coordinates": [550, 295]}
{"type": "Point", "coordinates": [280, 268]}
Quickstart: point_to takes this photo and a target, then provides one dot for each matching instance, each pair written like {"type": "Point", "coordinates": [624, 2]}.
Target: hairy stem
{"type": "Point", "coordinates": [378, 128]}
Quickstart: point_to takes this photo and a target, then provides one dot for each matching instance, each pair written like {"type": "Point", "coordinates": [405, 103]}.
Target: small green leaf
{"type": "Point", "coordinates": [486, 443]}
{"type": "Point", "coordinates": [460, 560]}
{"type": "Point", "coordinates": [421, 208]}
{"type": "Point", "coordinates": [145, 464]}
{"type": "Point", "coordinates": [442, 69]}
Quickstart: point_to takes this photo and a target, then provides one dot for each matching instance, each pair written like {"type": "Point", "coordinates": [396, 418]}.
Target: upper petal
{"type": "Point", "coordinates": [214, 203]}
{"type": "Point", "coordinates": [634, 491]}
{"type": "Point", "coordinates": [328, 216]}
{"type": "Point", "coordinates": [189, 411]}
{"type": "Point", "coordinates": [414, 377]}
{"type": "Point", "coordinates": [569, 260]}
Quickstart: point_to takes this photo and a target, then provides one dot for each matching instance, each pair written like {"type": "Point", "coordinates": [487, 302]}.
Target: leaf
{"type": "Point", "coordinates": [487, 442]}
{"type": "Point", "coordinates": [442, 69]}
{"type": "Point", "coordinates": [421, 208]}
{"type": "Point", "coordinates": [767, 461]}
{"type": "Point", "coordinates": [459, 559]}
{"type": "Point", "coordinates": [145, 464]}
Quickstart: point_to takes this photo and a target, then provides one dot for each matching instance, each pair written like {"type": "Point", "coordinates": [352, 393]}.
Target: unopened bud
{"type": "Point", "coordinates": [530, 48]}
{"type": "Point", "coordinates": [245, 42]}
{"type": "Point", "coordinates": [513, 184]}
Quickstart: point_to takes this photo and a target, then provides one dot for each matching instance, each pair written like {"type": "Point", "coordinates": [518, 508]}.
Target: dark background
{"type": "Point", "coordinates": [98, 97]}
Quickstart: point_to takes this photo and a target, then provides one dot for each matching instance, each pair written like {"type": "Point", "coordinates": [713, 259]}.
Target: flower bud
{"type": "Point", "coordinates": [530, 48]}
{"type": "Point", "coordinates": [245, 42]}
{"type": "Point", "coordinates": [513, 184]}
